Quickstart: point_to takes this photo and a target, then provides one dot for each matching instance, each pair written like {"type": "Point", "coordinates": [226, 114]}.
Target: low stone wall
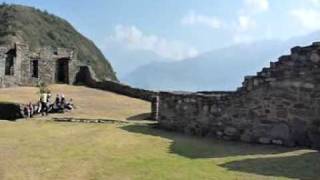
{"type": "Point", "coordinates": [280, 105]}
{"type": "Point", "coordinates": [86, 76]}
{"type": "Point", "coordinates": [271, 116]}
{"type": "Point", "coordinates": [192, 113]}
{"type": "Point", "coordinates": [10, 111]}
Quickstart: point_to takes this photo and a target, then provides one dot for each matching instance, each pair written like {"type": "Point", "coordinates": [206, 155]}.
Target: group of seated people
{"type": "Point", "coordinates": [45, 105]}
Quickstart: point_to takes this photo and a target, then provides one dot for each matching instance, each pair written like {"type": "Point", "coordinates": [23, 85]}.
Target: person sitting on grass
{"type": "Point", "coordinates": [63, 100]}
{"type": "Point", "coordinates": [44, 105]}
{"type": "Point", "coordinates": [37, 107]}
{"type": "Point", "coordinates": [57, 104]}
{"type": "Point", "coordinates": [57, 101]}
{"type": "Point", "coordinates": [29, 110]}
{"type": "Point", "coordinates": [69, 105]}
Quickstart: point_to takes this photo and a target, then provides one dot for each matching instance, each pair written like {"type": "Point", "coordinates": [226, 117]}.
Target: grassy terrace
{"type": "Point", "coordinates": [45, 149]}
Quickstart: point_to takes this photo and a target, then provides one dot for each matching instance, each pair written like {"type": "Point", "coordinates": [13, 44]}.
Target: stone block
{"type": "Point", "coordinates": [280, 131]}
{"type": "Point", "coordinates": [264, 140]}
{"type": "Point", "coordinates": [231, 131]}
{"type": "Point", "coordinates": [246, 137]}
{"type": "Point", "coordinates": [282, 113]}
{"type": "Point", "coordinates": [315, 57]}
{"type": "Point", "coordinates": [219, 133]}
{"type": "Point", "coordinates": [277, 142]}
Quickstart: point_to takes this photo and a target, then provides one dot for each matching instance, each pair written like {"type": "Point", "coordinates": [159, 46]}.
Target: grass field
{"type": "Point", "coordinates": [90, 103]}
{"type": "Point", "coordinates": [45, 149]}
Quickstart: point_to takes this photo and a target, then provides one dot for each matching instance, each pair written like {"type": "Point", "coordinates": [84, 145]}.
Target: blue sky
{"type": "Point", "coordinates": [183, 28]}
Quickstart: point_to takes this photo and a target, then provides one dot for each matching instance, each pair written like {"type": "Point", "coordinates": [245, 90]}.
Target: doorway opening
{"type": "Point", "coordinates": [9, 63]}
{"type": "Point", "coordinates": [35, 68]}
{"type": "Point", "coordinates": [62, 71]}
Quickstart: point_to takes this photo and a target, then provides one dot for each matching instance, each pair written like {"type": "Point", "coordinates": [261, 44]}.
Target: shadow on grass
{"type": "Point", "coordinates": [143, 116]}
{"type": "Point", "coordinates": [196, 147]}
{"type": "Point", "coordinates": [305, 166]}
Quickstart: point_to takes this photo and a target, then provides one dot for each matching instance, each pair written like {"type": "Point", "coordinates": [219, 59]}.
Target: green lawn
{"type": "Point", "coordinates": [37, 149]}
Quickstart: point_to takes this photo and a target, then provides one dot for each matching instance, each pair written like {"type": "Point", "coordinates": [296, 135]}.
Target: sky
{"type": "Point", "coordinates": [183, 29]}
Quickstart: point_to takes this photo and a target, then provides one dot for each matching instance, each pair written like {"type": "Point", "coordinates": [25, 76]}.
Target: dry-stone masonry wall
{"type": "Point", "coordinates": [280, 105]}
{"type": "Point", "coordinates": [86, 76]}
{"type": "Point", "coordinates": [21, 66]}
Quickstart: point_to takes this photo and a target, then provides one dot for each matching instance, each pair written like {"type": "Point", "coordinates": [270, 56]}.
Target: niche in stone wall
{"type": "Point", "coordinates": [34, 68]}
{"type": "Point", "coordinates": [9, 65]}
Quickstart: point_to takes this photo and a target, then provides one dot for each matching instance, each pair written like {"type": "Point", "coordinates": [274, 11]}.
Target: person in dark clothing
{"type": "Point", "coordinates": [58, 100]}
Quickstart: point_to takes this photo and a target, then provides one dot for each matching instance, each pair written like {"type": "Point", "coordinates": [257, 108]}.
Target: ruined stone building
{"type": "Point", "coordinates": [279, 105]}
{"type": "Point", "coordinates": [19, 66]}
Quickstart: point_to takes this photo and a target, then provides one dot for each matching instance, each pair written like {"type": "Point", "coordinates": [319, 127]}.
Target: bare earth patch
{"type": "Point", "coordinates": [37, 149]}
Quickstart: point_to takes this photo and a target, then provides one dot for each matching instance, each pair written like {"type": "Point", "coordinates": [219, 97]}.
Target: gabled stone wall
{"type": "Point", "coordinates": [279, 105]}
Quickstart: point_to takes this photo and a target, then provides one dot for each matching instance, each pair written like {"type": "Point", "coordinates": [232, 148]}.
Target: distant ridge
{"type": "Point", "coordinates": [217, 70]}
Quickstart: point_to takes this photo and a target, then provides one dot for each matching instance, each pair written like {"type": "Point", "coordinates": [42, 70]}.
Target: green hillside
{"type": "Point", "coordinates": [39, 28]}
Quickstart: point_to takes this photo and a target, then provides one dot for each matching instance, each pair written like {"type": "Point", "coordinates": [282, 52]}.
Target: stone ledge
{"type": "Point", "coordinates": [97, 121]}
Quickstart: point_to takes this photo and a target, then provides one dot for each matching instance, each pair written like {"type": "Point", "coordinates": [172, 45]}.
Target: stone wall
{"type": "Point", "coordinates": [87, 77]}
{"type": "Point", "coordinates": [47, 60]}
{"type": "Point", "coordinates": [279, 105]}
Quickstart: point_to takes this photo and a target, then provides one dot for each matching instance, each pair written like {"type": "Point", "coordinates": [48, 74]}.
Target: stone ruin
{"type": "Point", "coordinates": [279, 105]}
{"type": "Point", "coordinates": [19, 66]}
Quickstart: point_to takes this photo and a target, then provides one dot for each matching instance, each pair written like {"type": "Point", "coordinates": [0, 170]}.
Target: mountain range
{"type": "Point", "coordinates": [221, 69]}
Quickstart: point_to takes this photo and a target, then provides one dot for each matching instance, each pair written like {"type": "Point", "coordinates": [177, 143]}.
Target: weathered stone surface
{"type": "Point", "coordinates": [246, 137]}
{"type": "Point", "coordinates": [280, 105]}
{"type": "Point", "coordinates": [315, 57]}
{"type": "Point", "coordinates": [264, 140]}
{"type": "Point", "coordinates": [277, 142]}
{"type": "Point", "coordinates": [280, 131]}
{"type": "Point", "coordinates": [21, 66]}
{"type": "Point", "coordinates": [219, 133]}
{"type": "Point", "coordinates": [315, 139]}
{"type": "Point", "coordinates": [231, 131]}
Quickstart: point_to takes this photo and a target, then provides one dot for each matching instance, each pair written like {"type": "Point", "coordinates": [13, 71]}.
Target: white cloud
{"type": "Point", "coordinates": [135, 39]}
{"type": "Point", "coordinates": [245, 23]}
{"type": "Point", "coordinates": [243, 28]}
{"type": "Point", "coordinates": [256, 5]}
{"type": "Point", "coordinates": [211, 21]}
{"type": "Point", "coordinates": [308, 18]}
{"type": "Point", "coordinates": [315, 2]}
